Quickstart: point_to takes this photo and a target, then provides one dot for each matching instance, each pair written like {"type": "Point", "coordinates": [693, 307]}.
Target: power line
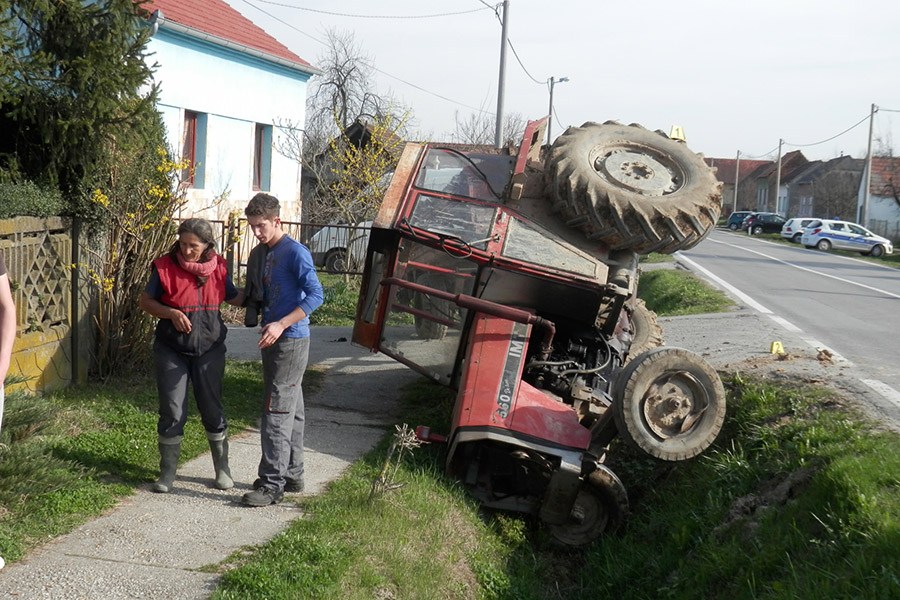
{"type": "Point", "coordinates": [860, 122]}
{"type": "Point", "coordinates": [435, 94]}
{"type": "Point", "coordinates": [357, 16]}
{"type": "Point", "coordinates": [558, 121]}
{"type": "Point", "coordinates": [519, 60]}
{"type": "Point", "coordinates": [494, 7]}
{"type": "Point", "coordinates": [323, 43]}
{"type": "Point", "coordinates": [764, 155]}
{"type": "Point", "coordinates": [511, 47]}
{"type": "Point", "coordinates": [270, 15]}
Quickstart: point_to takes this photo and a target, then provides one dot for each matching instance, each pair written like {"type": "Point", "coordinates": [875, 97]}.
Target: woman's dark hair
{"type": "Point", "coordinates": [203, 230]}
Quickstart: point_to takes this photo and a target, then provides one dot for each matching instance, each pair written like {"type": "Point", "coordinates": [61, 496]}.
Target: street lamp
{"type": "Point", "coordinates": [553, 81]}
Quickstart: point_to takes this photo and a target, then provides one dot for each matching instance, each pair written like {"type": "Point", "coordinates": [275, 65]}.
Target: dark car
{"type": "Point", "coordinates": [736, 218]}
{"type": "Point", "coordinates": [762, 222]}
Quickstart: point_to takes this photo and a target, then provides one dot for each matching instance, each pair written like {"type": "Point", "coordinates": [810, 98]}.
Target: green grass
{"type": "Point", "coordinates": [832, 533]}
{"type": "Point", "coordinates": [339, 308]}
{"type": "Point", "coordinates": [672, 292]}
{"type": "Point", "coordinates": [654, 257]}
{"type": "Point", "coordinates": [88, 446]}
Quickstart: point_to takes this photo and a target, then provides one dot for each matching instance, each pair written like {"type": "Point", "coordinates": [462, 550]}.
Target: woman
{"type": "Point", "coordinates": [186, 289]}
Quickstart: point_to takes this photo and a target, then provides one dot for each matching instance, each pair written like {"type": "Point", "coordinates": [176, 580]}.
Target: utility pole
{"type": "Point", "coordinates": [863, 219]}
{"type": "Point", "coordinates": [553, 81]}
{"type": "Point", "coordinates": [778, 175]}
{"type": "Point", "coordinates": [498, 130]}
{"type": "Point", "coordinates": [737, 179]}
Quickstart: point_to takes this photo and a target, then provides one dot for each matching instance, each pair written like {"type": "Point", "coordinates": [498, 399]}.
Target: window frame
{"type": "Point", "coordinates": [261, 177]}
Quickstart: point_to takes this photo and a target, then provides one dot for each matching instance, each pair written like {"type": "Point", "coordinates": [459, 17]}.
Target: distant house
{"type": "Point", "coordinates": [884, 197]}
{"type": "Point", "coordinates": [733, 173]}
{"type": "Point", "coordinates": [225, 86]}
{"type": "Point", "coordinates": [825, 189]}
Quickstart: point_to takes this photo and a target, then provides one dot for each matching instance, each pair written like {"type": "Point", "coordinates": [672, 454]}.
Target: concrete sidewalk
{"type": "Point", "coordinates": [157, 545]}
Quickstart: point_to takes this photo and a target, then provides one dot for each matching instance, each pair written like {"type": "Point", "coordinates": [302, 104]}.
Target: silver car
{"type": "Point", "coordinates": [793, 229]}
{"type": "Point", "coordinates": [826, 234]}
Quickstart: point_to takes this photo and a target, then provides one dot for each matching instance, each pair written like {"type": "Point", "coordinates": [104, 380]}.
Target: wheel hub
{"type": "Point", "coordinates": [673, 404]}
{"type": "Point", "coordinates": [638, 171]}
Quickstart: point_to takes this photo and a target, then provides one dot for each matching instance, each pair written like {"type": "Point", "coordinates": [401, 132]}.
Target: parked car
{"type": "Point", "coordinates": [763, 222]}
{"type": "Point", "coordinates": [826, 234]}
{"type": "Point", "coordinates": [736, 218]}
{"type": "Point", "coordinates": [340, 248]}
{"type": "Point", "coordinates": [793, 229]}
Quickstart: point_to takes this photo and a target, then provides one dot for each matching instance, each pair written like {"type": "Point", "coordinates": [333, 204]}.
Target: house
{"type": "Point", "coordinates": [760, 185]}
{"type": "Point", "coordinates": [226, 88]}
{"type": "Point", "coordinates": [825, 189]}
{"type": "Point", "coordinates": [731, 171]}
{"type": "Point", "coordinates": [883, 203]}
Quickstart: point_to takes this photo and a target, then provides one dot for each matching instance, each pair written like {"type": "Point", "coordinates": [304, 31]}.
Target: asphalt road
{"type": "Point", "coordinates": [845, 305]}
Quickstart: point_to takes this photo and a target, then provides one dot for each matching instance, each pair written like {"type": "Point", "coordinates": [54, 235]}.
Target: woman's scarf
{"type": "Point", "coordinates": [201, 270]}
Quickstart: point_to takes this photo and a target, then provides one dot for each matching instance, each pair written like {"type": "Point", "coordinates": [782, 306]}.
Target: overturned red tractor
{"type": "Point", "coordinates": [512, 280]}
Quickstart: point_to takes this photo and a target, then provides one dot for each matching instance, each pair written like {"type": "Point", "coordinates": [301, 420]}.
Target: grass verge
{"type": "Point", "coordinates": [797, 499]}
{"type": "Point", "coordinates": [671, 292]}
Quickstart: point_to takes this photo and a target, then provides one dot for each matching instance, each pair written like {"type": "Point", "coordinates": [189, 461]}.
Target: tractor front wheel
{"type": "Point", "coordinates": [670, 403]}
{"type": "Point", "coordinates": [600, 508]}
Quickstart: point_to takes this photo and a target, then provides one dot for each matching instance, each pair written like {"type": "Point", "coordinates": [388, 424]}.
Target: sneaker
{"type": "Point", "coordinates": [262, 497]}
{"type": "Point", "coordinates": [291, 486]}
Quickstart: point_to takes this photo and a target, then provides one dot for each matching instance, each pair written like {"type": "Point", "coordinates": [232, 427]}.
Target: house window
{"type": "Point", "coordinates": [193, 148]}
{"type": "Point", "coordinates": [262, 157]}
{"type": "Point", "coordinates": [806, 206]}
{"type": "Point", "coordinates": [762, 196]}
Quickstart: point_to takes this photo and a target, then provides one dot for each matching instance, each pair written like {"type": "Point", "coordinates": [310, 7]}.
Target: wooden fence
{"type": "Point", "coordinates": [49, 317]}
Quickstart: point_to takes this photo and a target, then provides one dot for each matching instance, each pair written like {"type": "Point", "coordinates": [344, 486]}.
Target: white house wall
{"type": "Point", "coordinates": [236, 91]}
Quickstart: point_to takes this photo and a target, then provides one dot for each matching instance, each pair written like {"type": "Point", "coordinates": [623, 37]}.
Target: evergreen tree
{"type": "Point", "coordinates": [72, 76]}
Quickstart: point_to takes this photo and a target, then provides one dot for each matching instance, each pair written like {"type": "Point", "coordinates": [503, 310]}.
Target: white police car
{"type": "Point", "coordinates": [826, 234]}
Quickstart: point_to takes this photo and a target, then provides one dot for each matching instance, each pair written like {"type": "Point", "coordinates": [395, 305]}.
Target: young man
{"type": "Point", "coordinates": [291, 291]}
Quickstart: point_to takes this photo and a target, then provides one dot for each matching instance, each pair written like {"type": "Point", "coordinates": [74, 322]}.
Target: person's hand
{"type": "Point", "coordinates": [270, 333]}
{"type": "Point", "coordinates": [181, 322]}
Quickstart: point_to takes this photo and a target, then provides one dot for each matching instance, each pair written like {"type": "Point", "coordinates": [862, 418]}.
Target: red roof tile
{"type": "Point", "coordinates": [217, 18]}
{"type": "Point", "coordinates": [885, 175]}
{"type": "Point", "coordinates": [725, 168]}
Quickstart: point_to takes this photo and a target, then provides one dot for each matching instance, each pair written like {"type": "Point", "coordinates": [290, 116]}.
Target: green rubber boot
{"type": "Point", "coordinates": [169, 451]}
{"type": "Point", "coordinates": [218, 445]}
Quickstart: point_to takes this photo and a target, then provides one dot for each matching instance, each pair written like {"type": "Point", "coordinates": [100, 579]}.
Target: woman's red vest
{"type": "Point", "coordinates": [200, 303]}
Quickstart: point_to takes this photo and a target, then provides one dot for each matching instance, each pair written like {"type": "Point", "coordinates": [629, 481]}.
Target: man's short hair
{"type": "Point", "coordinates": [263, 205]}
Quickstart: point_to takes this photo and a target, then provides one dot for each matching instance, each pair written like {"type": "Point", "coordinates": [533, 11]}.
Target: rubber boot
{"type": "Point", "coordinates": [218, 445]}
{"type": "Point", "coordinates": [169, 451]}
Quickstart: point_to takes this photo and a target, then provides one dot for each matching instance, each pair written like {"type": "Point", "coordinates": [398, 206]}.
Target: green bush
{"type": "Point", "coordinates": [27, 199]}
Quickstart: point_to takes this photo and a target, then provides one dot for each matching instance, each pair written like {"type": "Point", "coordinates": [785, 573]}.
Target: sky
{"type": "Point", "coordinates": [735, 76]}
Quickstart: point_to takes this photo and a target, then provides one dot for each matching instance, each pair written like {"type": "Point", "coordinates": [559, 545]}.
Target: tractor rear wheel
{"type": "Point", "coordinates": [670, 403]}
{"type": "Point", "coordinates": [646, 332]}
{"type": "Point", "coordinates": [632, 188]}
{"type": "Point", "coordinates": [600, 508]}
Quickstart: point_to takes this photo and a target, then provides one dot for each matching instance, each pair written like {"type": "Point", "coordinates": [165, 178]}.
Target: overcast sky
{"type": "Point", "coordinates": [734, 75]}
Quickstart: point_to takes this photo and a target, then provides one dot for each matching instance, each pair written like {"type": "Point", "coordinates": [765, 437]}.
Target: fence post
{"type": "Point", "coordinates": [230, 239]}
